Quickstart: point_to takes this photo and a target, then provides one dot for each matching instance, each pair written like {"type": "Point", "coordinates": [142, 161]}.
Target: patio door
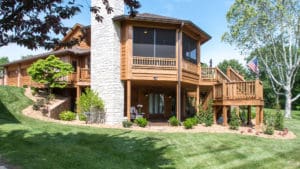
{"type": "Point", "coordinates": [156, 104]}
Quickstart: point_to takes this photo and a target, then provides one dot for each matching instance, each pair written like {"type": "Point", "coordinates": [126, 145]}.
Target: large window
{"type": "Point", "coordinates": [189, 48]}
{"type": "Point", "coordinates": [154, 42]}
{"type": "Point", "coordinates": [156, 103]}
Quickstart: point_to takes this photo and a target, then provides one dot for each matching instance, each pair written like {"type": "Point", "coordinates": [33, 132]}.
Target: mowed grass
{"type": "Point", "coordinates": [28, 143]}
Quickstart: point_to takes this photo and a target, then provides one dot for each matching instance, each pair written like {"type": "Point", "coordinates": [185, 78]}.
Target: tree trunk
{"type": "Point", "coordinates": [288, 104]}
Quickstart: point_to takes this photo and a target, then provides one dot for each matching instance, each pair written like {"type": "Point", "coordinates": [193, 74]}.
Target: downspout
{"type": "Point", "coordinates": [179, 69]}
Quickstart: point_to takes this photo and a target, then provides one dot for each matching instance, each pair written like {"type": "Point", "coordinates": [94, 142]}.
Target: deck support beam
{"type": "Point", "coordinates": [78, 93]}
{"type": "Point", "coordinates": [224, 111]}
{"type": "Point", "coordinates": [215, 114]}
{"type": "Point", "coordinates": [128, 99]}
{"type": "Point", "coordinates": [178, 100]}
{"type": "Point", "coordinates": [259, 116]}
{"type": "Point", "coordinates": [249, 115]}
{"type": "Point", "coordinates": [197, 98]}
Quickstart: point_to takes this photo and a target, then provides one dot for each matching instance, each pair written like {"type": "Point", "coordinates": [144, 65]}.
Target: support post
{"type": "Point", "coordinates": [197, 98]}
{"type": "Point", "coordinates": [178, 105]}
{"type": "Point", "coordinates": [261, 117]}
{"type": "Point", "coordinates": [215, 114]}
{"type": "Point", "coordinates": [257, 117]}
{"type": "Point", "coordinates": [128, 99]}
{"type": "Point", "coordinates": [19, 75]}
{"type": "Point", "coordinates": [224, 110]}
{"type": "Point", "coordinates": [78, 93]}
{"type": "Point", "coordinates": [249, 115]}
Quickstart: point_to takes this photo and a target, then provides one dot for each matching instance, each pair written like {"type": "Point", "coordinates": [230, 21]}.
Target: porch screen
{"type": "Point", "coordinates": [189, 48]}
{"type": "Point", "coordinates": [152, 42]}
{"type": "Point", "coordinates": [156, 103]}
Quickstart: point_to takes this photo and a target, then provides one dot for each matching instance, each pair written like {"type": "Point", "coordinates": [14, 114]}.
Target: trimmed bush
{"type": "Point", "coordinates": [67, 116]}
{"type": "Point", "coordinates": [234, 122]}
{"type": "Point", "coordinates": [269, 130]}
{"type": "Point", "coordinates": [38, 104]}
{"type": "Point", "coordinates": [188, 123]}
{"type": "Point", "coordinates": [173, 121]}
{"type": "Point", "coordinates": [279, 121]}
{"type": "Point", "coordinates": [127, 124]}
{"type": "Point", "coordinates": [269, 122]}
{"type": "Point", "coordinates": [195, 120]}
{"type": "Point", "coordinates": [82, 117]}
{"type": "Point", "coordinates": [142, 122]}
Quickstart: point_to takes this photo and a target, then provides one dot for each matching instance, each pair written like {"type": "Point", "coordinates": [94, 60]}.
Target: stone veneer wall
{"type": "Point", "coordinates": [60, 106]}
{"type": "Point", "coordinates": [105, 61]}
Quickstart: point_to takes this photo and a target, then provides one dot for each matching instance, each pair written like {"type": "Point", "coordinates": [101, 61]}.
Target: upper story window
{"type": "Point", "coordinates": [189, 48]}
{"type": "Point", "coordinates": [152, 42]}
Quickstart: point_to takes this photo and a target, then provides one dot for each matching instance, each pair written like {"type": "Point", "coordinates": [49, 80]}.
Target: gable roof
{"type": "Point", "coordinates": [164, 19]}
{"type": "Point", "coordinates": [72, 51]}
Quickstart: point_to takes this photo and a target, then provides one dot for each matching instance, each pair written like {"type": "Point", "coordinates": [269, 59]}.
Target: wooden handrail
{"type": "Point", "coordinates": [189, 67]}
{"type": "Point", "coordinates": [233, 75]}
{"type": "Point", "coordinates": [208, 73]}
{"type": "Point", "coordinates": [239, 90]}
{"type": "Point", "coordinates": [221, 77]}
{"type": "Point", "coordinates": [153, 62]}
{"type": "Point", "coordinates": [85, 74]}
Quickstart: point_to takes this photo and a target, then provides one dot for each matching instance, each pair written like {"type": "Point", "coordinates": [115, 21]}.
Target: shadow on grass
{"type": "Point", "coordinates": [82, 150]}
{"type": "Point", "coordinates": [6, 116]}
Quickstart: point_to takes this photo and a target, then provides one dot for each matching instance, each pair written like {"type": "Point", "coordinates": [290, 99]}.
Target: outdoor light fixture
{"type": "Point", "coordinates": [155, 77]}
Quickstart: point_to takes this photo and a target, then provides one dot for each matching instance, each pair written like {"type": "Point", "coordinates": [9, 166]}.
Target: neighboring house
{"type": "Point", "coordinates": [150, 60]}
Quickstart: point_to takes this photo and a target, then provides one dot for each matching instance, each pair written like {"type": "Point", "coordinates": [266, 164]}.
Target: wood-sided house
{"type": "Point", "coordinates": [159, 68]}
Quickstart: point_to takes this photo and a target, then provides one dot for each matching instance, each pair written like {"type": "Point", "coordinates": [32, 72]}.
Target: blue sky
{"type": "Point", "coordinates": [209, 15]}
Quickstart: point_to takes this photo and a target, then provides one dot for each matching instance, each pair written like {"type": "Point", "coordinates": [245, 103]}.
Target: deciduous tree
{"type": "Point", "coordinates": [50, 72]}
{"type": "Point", "coordinates": [272, 29]}
{"type": "Point", "coordinates": [39, 23]}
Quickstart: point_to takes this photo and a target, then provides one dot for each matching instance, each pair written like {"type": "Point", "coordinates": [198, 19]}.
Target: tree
{"type": "Point", "coordinates": [50, 72]}
{"type": "Point", "coordinates": [3, 60]}
{"type": "Point", "coordinates": [234, 64]}
{"type": "Point", "coordinates": [271, 29]}
{"type": "Point", "coordinates": [39, 23]}
{"type": "Point", "coordinates": [89, 99]}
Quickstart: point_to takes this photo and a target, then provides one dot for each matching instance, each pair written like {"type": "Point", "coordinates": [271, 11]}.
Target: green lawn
{"type": "Point", "coordinates": [29, 143]}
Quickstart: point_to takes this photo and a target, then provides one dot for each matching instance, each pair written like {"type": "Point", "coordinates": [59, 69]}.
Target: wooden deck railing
{"type": "Point", "coordinates": [234, 76]}
{"type": "Point", "coordinates": [239, 90]}
{"type": "Point", "coordinates": [85, 74]}
{"type": "Point", "coordinates": [153, 62]}
{"type": "Point", "coordinates": [189, 67]}
{"type": "Point", "coordinates": [209, 73]}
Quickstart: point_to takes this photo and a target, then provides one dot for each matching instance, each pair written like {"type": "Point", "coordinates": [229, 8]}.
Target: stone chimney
{"type": "Point", "coordinates": [105, 60]}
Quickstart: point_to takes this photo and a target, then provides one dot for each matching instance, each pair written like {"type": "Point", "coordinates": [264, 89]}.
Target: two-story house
{"type": "Point", "coordinates": [151, 60]}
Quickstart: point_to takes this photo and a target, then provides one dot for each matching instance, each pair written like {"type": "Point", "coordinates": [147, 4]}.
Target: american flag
{"type": "Point", "coordinates": [253, 65]}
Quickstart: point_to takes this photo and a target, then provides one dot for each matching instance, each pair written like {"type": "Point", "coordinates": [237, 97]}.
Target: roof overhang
{"type": "Point", "coordinates": [74, 51]}
{"type": "Point", "coordinates": [167, 20]}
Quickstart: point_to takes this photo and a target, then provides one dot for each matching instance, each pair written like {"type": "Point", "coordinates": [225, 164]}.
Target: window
{"type": "Point", "coordinates": [189, 48]}
{"type": "Point", "coordinates": [165, 43]}
{"type": "Point", "coordinates": [156, 103]}
{"type": "Point", "coordinates": [151, 42]}
{"type": "Point", "coordinates": [143, 42]}
{"type": "Point", "coordinates": [74, 65]}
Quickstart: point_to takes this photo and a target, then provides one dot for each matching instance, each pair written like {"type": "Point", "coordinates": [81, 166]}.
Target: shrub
{"type": "Point", "coordinates": [269, 122]}
{"type": "Point", "coordinates": [88, 100]}
{"type": "Point", "coordinates": [195, 120]}
{"type": "Point", "coordinates": [269, 130]}
{"type": "Point", "coordinates": [127, 124]}
{"type": "Point", "coordinates": [142, 122]}
{"type": "Point", "coordinates": [279, 121]}
{"type": "Point", "coordinates": [82, 117]}
{"type": "Point", "coordinates": [173, 121]}
{"type": "Point", "coordinates": [206, 116]}
{"type": "Point", "coordinates": [38, 104]}
{"type": "Point", "coordinates": [234, 122]}
{"type": "Point", "coordinates": [67, 116]}
{"type": "Point", "coordinates": [188, 123]}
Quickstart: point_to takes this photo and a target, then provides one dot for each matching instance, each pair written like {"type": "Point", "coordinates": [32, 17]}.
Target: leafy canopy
{"type": "Point", "coordinates": [50, 71]}
{"type": "Point", "coordinates": [234, 64]}
{"type": "Point", "coordinates": [39, 23]}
